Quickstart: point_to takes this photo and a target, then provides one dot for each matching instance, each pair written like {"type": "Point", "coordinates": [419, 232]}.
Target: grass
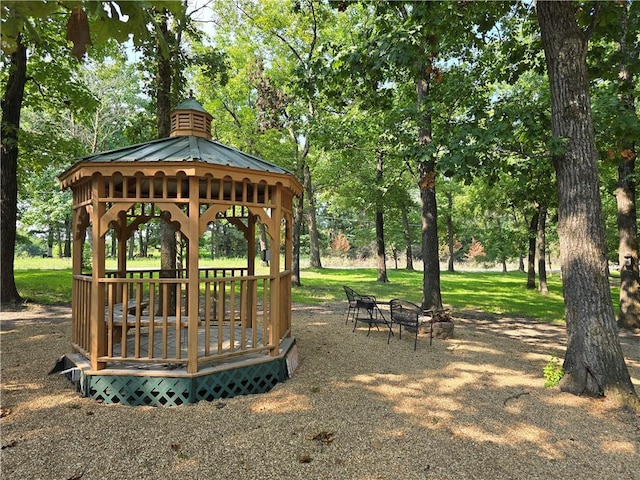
{"type": "Point", "coordinates": [48, 281]}
{"type": "Point", "coordinates": [493, 292]}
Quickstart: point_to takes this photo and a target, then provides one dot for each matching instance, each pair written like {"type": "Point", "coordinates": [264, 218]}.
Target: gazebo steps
{"type": "Point", "coordinates": [137, 384]}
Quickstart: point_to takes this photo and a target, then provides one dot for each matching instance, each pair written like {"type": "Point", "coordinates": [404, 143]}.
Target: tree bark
{"type": "Point", "coordinates": [11, 109]}
{"type": "Point", "coordinates": [314, 241]}
{"type": "Point", "coordinates": [594, 363]}
{"type": "Point", "coordinates": [531, 264]}
{"type": "Point", "coordinates": [432, 298]}
{"type": "Point", "coordinates": [380, 248]}
{"type": "Point", "coordinates": [541, 248]}
{"type": "Point", "coordinates": [168, 250]}
{"type": "Point", "coordinates": [629, 313]}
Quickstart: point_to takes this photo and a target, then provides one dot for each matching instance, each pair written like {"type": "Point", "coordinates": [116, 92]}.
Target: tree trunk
{"type": "Point", "coordinates": [406, 232]}
{"type": "Point", "coordinates": [11, 109]}
{"type": "Point", "coordinates": [380, 249]}
{"type": "Point", "coordinates": [264, 245]}
{"type": "Point", "coordinates": [541, 245]}
{"type": "Point", "coordinates": [50, 242]}
{"type": "Point", "coordinates": [59, 240]}
{"type": "Point", "coordinates": [295, 240]}
{"type": "Point", "coordinates": [432, 298]}
{"type": "Point", "coordinates": [629, 314]}
{"type": "Point", "coordinates": [594, 363]}
{"type": "Point", "coordinates": [531, 264]}
{"type": "Point", "coordinates": [314, 242]}
{"type": "Point", "coordinates": [163, 114]}
{"type": "Point", "coordinates": [450, 237]}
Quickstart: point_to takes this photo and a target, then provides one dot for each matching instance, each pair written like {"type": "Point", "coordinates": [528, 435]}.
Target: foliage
{"type": "Point", "coordinates": [553, 372]}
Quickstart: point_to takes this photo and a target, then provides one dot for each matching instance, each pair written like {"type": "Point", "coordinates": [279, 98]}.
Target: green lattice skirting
{"type": "Point", "coordinates": [169, 391]}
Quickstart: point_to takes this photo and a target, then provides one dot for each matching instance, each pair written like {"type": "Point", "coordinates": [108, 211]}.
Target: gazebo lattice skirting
{"type": "Point", "coordinates": [172, 336]}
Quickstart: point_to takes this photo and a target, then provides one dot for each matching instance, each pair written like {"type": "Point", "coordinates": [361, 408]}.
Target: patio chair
{"type": "Point", "coordinates": [356, 302]}
{"type": "Point", "coordinates": [406, 314]}
{"type": "Point", "coordinates": [372, 315]}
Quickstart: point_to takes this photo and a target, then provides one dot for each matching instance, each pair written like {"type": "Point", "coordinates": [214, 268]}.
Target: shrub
{"type": "Point", "coordinates": [553, 372]}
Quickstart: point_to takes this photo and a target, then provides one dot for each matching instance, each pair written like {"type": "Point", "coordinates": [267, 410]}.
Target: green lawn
{"type": "Point", "coordinates": [492, 292]}
{"type": "Point", "coordinates": [48, 281]}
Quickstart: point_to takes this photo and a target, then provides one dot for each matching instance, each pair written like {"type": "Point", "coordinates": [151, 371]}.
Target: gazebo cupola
{"type": "Point", "coordinates": [189, 118]}
{"type": "Point", "coordinates": [184, 326]}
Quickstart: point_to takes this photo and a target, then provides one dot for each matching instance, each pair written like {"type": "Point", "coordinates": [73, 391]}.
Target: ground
{"type": "Point", "coordinates": [474, 407]}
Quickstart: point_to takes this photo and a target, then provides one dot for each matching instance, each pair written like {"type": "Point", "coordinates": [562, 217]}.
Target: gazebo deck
{"type": "Point", "coordinates": [239, 338]}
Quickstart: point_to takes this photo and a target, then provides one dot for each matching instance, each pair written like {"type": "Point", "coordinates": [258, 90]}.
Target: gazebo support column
{"type": "Point", "coordinates": [193, 282]}
{"type": "Point", "coordinates": [98, 333]}
{"type": "Point", "coordinates": [274, 337]}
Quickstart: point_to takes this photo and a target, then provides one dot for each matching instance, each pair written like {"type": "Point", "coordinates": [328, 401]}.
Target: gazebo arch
{"type": "Point", "coordinates": [170, 337]}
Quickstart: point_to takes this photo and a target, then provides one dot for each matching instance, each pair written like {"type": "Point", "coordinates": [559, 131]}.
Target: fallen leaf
{"type": "Point", "coordinates": [12, 443]}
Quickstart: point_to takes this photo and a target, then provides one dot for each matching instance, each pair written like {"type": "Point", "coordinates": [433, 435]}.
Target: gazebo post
{"type": "Point", "coordinates": [79, 232]}
{"type": "Point", "coordinates": [97, 325]}
{"type": "Point", "coordinates": [275, 272]}
{"type": "Point", "coordinates": [193, 281]}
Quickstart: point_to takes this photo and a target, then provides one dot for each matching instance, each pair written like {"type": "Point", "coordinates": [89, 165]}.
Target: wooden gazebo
{"type": "Point", "coordinates": [169, 337]}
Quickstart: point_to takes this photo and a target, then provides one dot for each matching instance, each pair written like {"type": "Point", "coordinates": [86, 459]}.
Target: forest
{"type": "Point", "coordinates": [498, 133]}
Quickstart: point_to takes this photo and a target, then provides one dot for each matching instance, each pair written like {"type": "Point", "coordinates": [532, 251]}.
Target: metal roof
{"type": "Point", "coordinates": [190, 104]}
{"type": "Point", "coordinates": [185, 149]}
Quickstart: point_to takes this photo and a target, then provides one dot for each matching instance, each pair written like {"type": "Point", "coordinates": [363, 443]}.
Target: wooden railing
{"type": "Point", "coordinates": [234, 317]}
{"type": "Point", "coordinates": [81, 325]}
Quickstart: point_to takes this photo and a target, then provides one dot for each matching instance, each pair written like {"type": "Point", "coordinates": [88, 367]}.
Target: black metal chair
{"type": "Point", "coordinates": [356, 302]}
{"type": "Point", "coordinates": [407, 314]}
{"type": "Point", "coordinates": [369, 312]}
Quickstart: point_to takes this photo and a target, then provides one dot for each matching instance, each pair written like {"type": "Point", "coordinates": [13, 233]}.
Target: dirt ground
{"type": "Point", "coordinates": [471, 407]}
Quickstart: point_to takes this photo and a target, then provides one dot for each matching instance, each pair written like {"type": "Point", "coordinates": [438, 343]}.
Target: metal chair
{"type": "Point", "coordinates": [407, 314]}
{"type": "Point", "coordinates": [356, 302]}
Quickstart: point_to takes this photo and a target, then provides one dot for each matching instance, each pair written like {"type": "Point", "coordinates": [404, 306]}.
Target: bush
{"type": "Point", "coordinates": [553, 372]}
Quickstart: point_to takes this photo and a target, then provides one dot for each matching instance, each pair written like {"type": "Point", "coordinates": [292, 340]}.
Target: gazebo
{"type": "Point", "coordinates": [167, 337]}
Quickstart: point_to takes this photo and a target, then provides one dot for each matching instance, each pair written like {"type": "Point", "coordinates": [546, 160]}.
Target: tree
{"type": "Point", "coordinates": [594, 363]}
{"type": "Point", "coordinates": [19, 21]}
{"type": "Point", "coordinates": [11, 109]}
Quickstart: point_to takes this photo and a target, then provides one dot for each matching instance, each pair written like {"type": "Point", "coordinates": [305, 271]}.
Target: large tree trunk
{"type": "Point", "coordinates": [531, 264]}
{"type": "Point", "coordinates": [541, 248]}
{"type": "Point", "coordinates": [168, 250]}
{"type": "Point", "coordinates": [314, 241]}
{"type": "Point", "coordinates": [11, 109]}
{"type": "Point", "coordinates": [629, 314]}
{"type": "Point", "coordinates": [380, 249]}
{"type": "Point", "coordinates": [594, 363]}
{"type": "Point", "coordinates": [432, 298]}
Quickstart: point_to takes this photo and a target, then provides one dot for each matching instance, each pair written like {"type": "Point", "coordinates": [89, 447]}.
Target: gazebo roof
{"type": "Point", "coordinates": [181, 152]}
{"type": "Point", "coordinates": [185, 149]}
{"type": "Point", "coordinates": [189, 145]}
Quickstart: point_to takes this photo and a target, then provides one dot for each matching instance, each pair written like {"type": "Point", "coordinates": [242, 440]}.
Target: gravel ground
{"type": "Point", "coordinates": [469, 407]}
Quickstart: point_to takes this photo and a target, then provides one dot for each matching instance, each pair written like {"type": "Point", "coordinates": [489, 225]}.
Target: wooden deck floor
{"type": "Point", "coordinates": [226, 346]}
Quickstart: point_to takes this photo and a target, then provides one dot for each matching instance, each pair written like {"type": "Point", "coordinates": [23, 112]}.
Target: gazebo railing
{"type": "Point", "coordinates": [234, 317]}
